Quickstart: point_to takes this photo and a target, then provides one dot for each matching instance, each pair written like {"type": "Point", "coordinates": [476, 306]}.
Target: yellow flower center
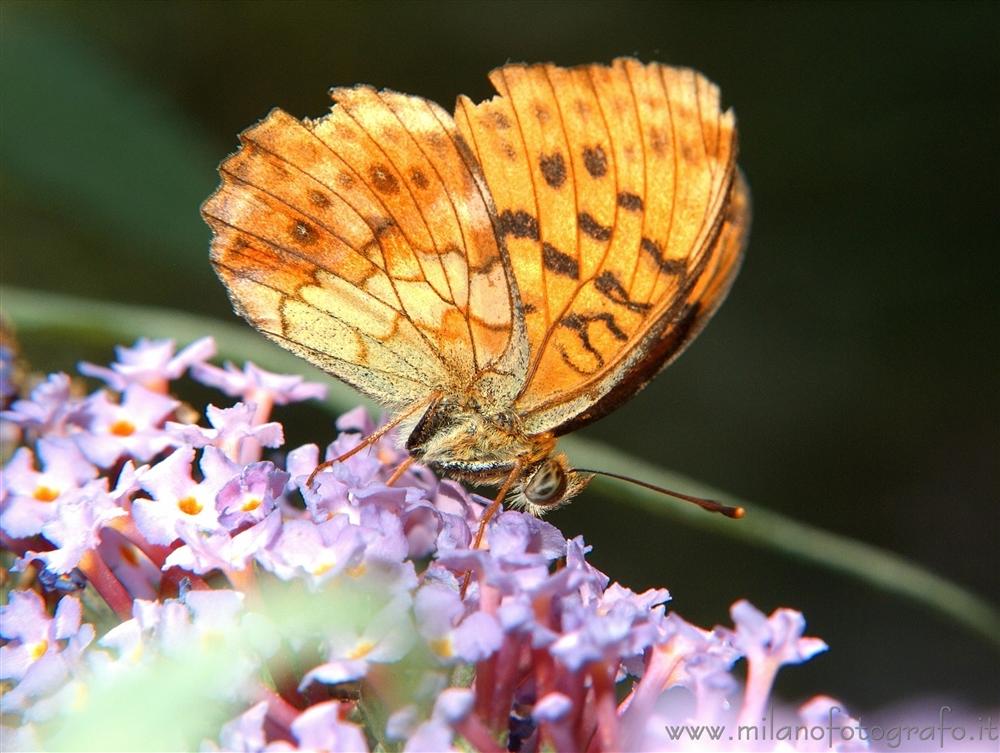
{"type": "Point", "coordinates": [122, 428]}
{"type": "Point", "coordinates": [361, 650]}
{"type": "Point", "coordinates": [442, 647]}
{"type": "Point", "coordinates": [189, 506]}
{"type": "Point", "coordinates": [322, 568]}
{"type": "Point", "coordinates": [45, 493]}
{"type": "Point", "coordinates": [358, 570]}
{"type": "Point", "coordinates": [251, 504]}
{"type": "Point", "coordinates": [38, 650]}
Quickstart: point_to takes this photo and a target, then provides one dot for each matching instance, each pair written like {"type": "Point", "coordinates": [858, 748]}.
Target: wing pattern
{"type": "Point", "coordinates": [555, 246]}
{"type": "Point", "coordinates": [611, 184]}
{"type": "Point", "coordinates": [364, 242]}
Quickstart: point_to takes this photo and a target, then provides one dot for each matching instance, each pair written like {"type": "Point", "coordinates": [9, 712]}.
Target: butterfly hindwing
{"type": "Point", "coordinates": [618, 178]}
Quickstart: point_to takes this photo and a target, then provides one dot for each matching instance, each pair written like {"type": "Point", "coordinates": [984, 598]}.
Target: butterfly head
{"type": "Point", "coordinates": [550, 484]}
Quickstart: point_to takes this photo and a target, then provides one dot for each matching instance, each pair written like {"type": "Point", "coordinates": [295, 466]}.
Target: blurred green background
{"type": "Point", "coordinates": [850, 381]}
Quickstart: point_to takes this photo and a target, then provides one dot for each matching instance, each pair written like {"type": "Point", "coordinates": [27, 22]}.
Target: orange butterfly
{"type": "Point", "coordinates": [499, 278]}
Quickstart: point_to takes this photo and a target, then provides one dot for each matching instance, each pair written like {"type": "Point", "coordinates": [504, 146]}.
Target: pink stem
{"type": "Point", "coordinates": [106, 584]}
{"type": "Point", "coordinates": [174, 575]}
{"type": "Point", "coordinates": [604, 701]}
{"type": "Point", "coordinates": [484, 686]}
{"type": "Point", "coordinates": [248, 449]}
{"type": "Point", "coordinates": [22, 546]}
{"type": "Point", "coordinates": [637, 707]}
{"type": "Point", "coordinates": [473, 730]}
{"type": "Point", "coordinates": [760, 678]}
{"type": "Point", "coordinates": [508, 673]}
{"type": "Point", "coordinates": [126, 527]}
{"type": "Point", "coordinates": [561, 736]}
{"type": "Point", "coordinates": [280, 715]}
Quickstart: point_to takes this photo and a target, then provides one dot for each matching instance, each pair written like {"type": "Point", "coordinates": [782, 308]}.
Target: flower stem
{"type": "Point", "coordinates": [106, 584]}
{"type": "Point", "coordinates": [604, 700]}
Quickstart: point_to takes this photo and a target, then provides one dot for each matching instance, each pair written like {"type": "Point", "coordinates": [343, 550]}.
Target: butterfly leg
{"type": "Point", "coordinates": [515, 474]}
{"type": "Point", "coordinates": [400, 470]}
{"type": "Point", "coordinates": [367, 442]}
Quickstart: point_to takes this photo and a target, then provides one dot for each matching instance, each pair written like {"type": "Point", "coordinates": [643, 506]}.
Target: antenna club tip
{"type": "Point", "coordinates": [739, 512]}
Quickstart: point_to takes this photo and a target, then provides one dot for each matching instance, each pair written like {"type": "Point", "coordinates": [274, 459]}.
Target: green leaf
{"type": "Point", "coordinates": [106, 324]}
{"type": "Point", "coordinates": [95, 143]}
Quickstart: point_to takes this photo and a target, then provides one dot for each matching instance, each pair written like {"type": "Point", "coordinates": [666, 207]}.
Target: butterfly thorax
{"type": "Point", "coordinates": [465, 438]}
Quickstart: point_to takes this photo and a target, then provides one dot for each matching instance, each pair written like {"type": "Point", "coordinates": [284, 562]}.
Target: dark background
{"type": "Point", "coordinates": [851, 379]}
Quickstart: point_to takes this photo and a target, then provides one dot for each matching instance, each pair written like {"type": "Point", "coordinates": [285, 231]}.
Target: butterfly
{"type": "Point", "coordinates": [498, 277]}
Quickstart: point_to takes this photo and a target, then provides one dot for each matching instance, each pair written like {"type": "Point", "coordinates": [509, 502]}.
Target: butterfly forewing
{"type": "Point", "coordinates": [364, 242]}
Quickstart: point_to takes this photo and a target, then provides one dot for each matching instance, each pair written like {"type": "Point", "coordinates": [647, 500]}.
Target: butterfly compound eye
{"type": "Point", "coordinates": [547, 484]}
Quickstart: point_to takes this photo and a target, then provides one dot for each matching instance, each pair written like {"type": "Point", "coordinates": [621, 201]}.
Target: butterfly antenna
{"type": "Point", "coordinates": [707, 504]}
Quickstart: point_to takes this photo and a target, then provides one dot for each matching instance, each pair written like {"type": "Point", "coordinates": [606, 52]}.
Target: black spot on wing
{"type": "Point", "coordinates": [520, 224]}
{"type": "Point", "coordinates": [319, 199]}
{"type": "Point", "coordinates": [303, 233]}
{"type": "Point", "coordinates": [383, 180]}
{"type": "Point", "coordinates": [595, 160]}
{"type": "Point", "coordinates": [681, 332]}
{"type": "Point", "coordinates": [609, 286]}
{"type": "Point", "coordinates": [553, 168]}
{"type": "Point", "coordinates": [580, 324]}
{"type": "Point", "coordinates": [593, 228]}
{"type": "Point", "coordinates": [499, 120]}
{"type": "Point", "coordinates": [382, 225]}
{"type": "Point", "coordinates": [630, 201]}
{"type": "Point", "coordinates": [418, 178]}
{"type": "Point", "coordinates": [670, 266]}
{"type": "Point", "coordinates": [558, 262]}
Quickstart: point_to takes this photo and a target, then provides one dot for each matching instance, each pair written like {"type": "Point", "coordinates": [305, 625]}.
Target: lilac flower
{"type": "Point", "coordinates": [232, 428]}
{"type": "Point", "coordinates": [822, 711]}
{"type": "Point", "coordinates": [320, 728]}
{"type": "Point", "coordinates": [132, 427]}
{"type": "Point", "coordinates": [253, 384]}
{"type": "Point", "coordinates": [174, 626]}
{"type": "Point", "coordinates": [316, 552]}
{"type": "Point", "coordinates": [450, 634]}
{"type": "Point", "coordinates": [203, 552]}
{"type": "Point", "coordinates": [621, 624]}
{"type": "Point", "coordinates": [768, 643]}
{"type": "Point", "coordinates": [30, 497]}
{"type": "Point", "coordinates": [175, 496]}
{"type": "Point", "coordinates": [381, 570]}
{"type": "Point", "coordinates": [433, 736]}
{"type": "Point", "coordinates": [8, 359]}
{"type": "Point", "coordinates": [49, 408]}
{"type": "Point", "coordinates": [251, 496]}
{"type": "Point", "coordinates": [42, 651]}
{"type": "Point", "coordinates": [75, 530]}
{"type": "Point", "coordinates": [521, 549]}
{"type": "Point", "coordinates": [150, 363]}
{"type": "Point", "coordinates": [245, 733]}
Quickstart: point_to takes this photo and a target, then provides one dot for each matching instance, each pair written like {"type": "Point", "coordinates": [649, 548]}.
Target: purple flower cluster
{"type": "Point", "coordinates": [188, 530]}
